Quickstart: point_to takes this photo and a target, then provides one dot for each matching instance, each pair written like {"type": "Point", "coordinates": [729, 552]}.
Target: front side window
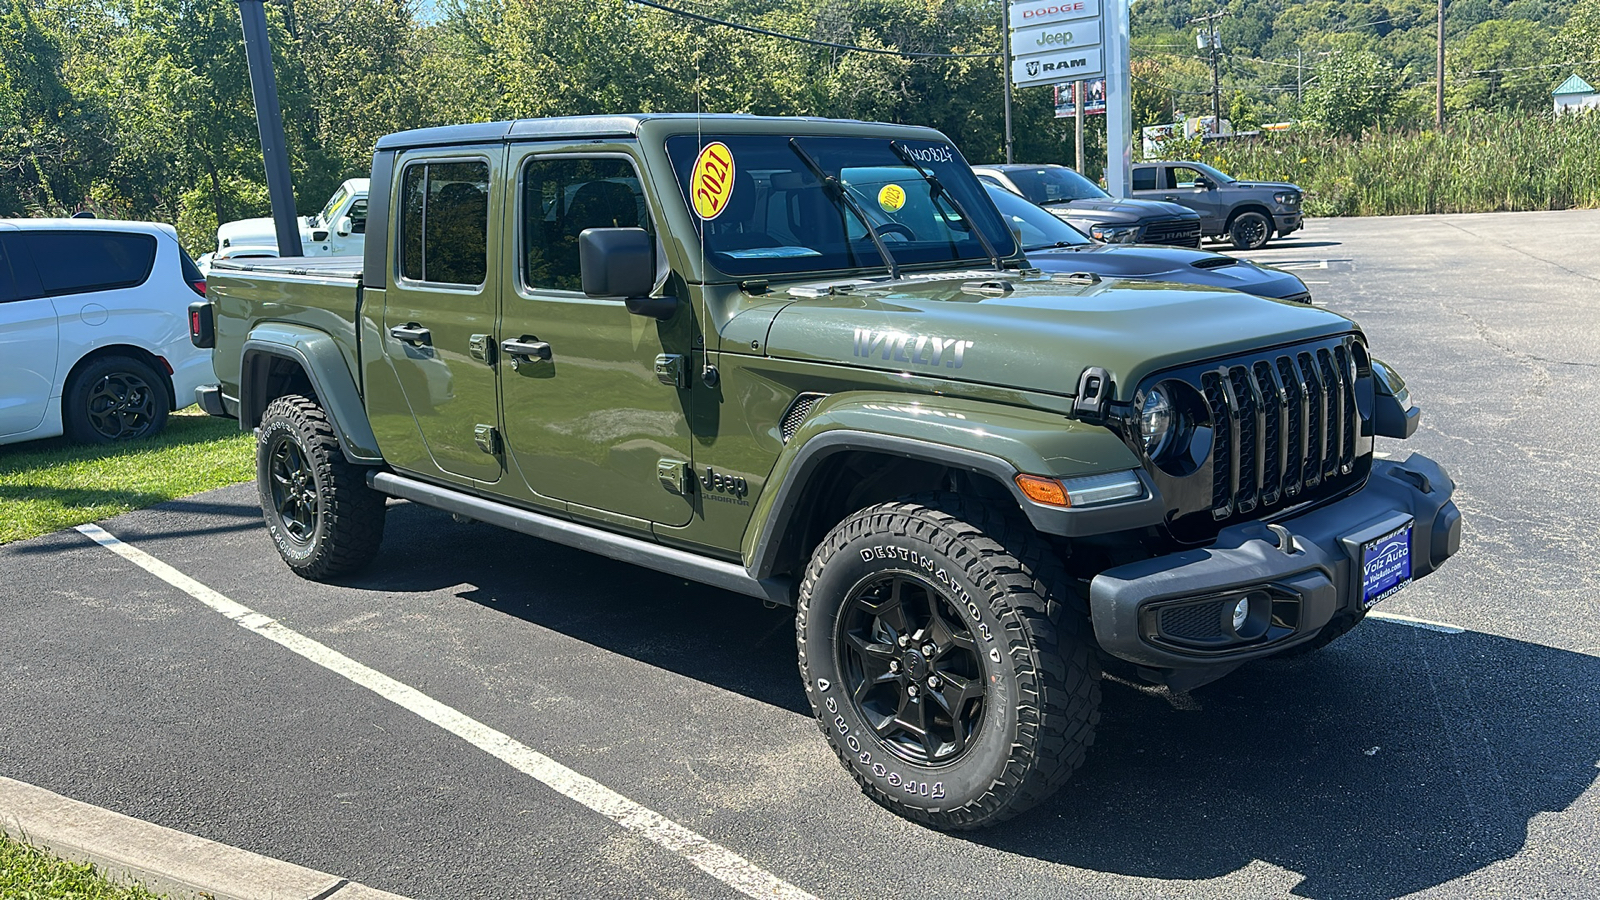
{"type": "Point", "coordinates": [1184, 177]}
{"type": "Point", "coordinates": [760, 208]}
{"type": "Point", "coordinates": [444, 222]}
{"type": "Point", "coordinates": [561, 197]}
{"type": "Point", "coordinates": [78, 262]}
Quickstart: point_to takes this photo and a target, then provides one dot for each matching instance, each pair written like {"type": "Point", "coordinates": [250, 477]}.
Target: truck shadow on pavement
{"type": "Point", "coordinates": [1395, 760]}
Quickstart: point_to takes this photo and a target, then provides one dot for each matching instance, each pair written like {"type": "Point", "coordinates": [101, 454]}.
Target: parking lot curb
{"type": "Point", "coordinates": [166, 861]}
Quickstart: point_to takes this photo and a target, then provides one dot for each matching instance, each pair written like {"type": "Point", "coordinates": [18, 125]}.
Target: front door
{"type": "Point", "coordinates": [438, 317]}
{"type": "Point", "coordinates": [1183, 181]}
{"type": "Point", "coordinates": [27, 342]}
{"type": "Point", "coordinates": [592, 423]}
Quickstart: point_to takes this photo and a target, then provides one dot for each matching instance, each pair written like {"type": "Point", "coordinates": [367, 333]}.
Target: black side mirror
{"type": "Point", "coordinates": [1202, 183]}
{"type": "Point", "coordinates": [620, 262]}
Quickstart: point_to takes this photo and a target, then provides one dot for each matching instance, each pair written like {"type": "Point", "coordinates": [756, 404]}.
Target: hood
{"type": "Point", "coordinates": [1174, 264]}
{"type": "Point", "coordinates": [1042, 334]}
{"type": "Point", "coordinates": [1264, 186]}
{"type": "Point", "coordinates": [1113, 210]}
{"type": "Point", "coordinates": [247, 233]}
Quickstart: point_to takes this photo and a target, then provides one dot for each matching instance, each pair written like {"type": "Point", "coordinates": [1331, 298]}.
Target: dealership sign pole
{"type": "Point", "coordinates": [1053, 41]}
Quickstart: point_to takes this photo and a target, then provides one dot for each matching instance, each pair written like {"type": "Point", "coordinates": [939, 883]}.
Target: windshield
{"type": "Point", "coordinates": [1054, 184]}
{"type": "Point", "coordinates": [1213, 174]}
{"type": "Point", "coordinates": [762, 211]}
{"type": "Point", "coordinates": [326, 216]}
{"type": "Point", "coordinates": [1038, 228]}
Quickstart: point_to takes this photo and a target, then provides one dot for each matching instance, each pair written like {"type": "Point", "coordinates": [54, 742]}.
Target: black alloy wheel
{"type": "Point", "coordinates": [114, 399]}
{"type": "Point", "coordinates": [911, 668]}
{"type": "Point", "coordinates": [1249, 230]}
{"type": "Point", "coordinates": [945, 658]}
{"type": "Point", "coordinates": [294, 489]}
{"type": "Point", "coordinates": [320, 513]}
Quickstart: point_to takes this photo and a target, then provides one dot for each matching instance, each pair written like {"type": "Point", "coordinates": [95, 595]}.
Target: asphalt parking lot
{"type": "Point", "coordinates": [1456, 759]}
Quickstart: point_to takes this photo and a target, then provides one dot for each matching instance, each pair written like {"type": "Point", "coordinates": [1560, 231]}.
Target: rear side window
{"type": "Point", "coordinates": [1144, 179]}
{"type": "Point", "coordinates": [78, 262]}
{"type": "Point", "coordinates": [444, 223]}
{"type": "Point", "coordinates": [8, 284]}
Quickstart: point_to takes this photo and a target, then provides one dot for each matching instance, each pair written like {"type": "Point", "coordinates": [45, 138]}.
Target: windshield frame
{"type": "Point", "coordinates": [789, 198]}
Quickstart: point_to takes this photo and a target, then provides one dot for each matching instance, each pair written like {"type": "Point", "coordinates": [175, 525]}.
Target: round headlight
{"type": "Point", "coordinates": [1156, 421]}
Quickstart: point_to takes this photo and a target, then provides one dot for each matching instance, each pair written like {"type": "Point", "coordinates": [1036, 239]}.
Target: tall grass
{"type": "Point", "coordinates": [1482, 162]}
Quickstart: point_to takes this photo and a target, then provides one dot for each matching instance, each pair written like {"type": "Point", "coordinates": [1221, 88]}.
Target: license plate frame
{"type": "Point", "coordinates": [1386, 564]}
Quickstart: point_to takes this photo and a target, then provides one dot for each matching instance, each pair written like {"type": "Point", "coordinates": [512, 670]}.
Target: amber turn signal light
{"type": "Point", "coordinates": [1043, 490]}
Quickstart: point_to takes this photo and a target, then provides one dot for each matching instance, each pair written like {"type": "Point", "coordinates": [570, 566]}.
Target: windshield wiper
{"type": "Point", "coordinates": [835, 189]}
{"type": "Point", "coordinates": [936, 190]}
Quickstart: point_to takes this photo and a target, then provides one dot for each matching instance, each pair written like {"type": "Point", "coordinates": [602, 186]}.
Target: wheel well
{"type": "Point", "coordinates": [1250, 207]}
{"type": "Point", "coordinates": [265, 378]}
{"type": "Point", "coordinates": [855, 479]}
{"type": "Point", "coordinates": [145, 356]}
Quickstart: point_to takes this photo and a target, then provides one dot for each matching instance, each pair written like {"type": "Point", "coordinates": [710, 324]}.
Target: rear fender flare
{"type": "Point", "coordinates": [318, 356]}
{"type": "Point", "coordinates": [996, 441]}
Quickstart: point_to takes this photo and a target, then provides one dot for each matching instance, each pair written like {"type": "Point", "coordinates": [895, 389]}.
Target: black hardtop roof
{"type": "Point", "coordinates": [588, 127]}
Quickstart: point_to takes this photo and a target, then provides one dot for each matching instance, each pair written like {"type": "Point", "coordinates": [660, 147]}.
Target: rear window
{"type": "Point", "coordinates": [78, 262]}
{"type": "Point", "coordinates": [1144, 179]}
{"type": "Point", "coordinates": [191, 271]}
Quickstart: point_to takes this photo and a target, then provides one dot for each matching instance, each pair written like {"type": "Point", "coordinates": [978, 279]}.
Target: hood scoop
{"type": "Point", "coordinates": [1217, 262]}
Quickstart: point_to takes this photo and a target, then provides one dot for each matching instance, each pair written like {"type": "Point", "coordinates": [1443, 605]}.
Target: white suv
{"type": "Point", "coordinates": [94, 330]}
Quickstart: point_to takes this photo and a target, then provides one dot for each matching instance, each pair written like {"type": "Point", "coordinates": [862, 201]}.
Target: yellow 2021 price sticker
{"type": "Point", "coordinates": [711, 182]}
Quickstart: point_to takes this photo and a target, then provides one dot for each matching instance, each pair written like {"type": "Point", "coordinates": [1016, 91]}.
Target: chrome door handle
{"type": "Point", "coordinates": [411, 333]}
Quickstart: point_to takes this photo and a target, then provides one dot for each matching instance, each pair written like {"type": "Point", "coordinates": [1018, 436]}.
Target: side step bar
{"type": "Point", "coordinates": [713, 572]}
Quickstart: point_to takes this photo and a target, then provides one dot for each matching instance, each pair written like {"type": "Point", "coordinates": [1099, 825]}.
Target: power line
{"type": "Point", "coordinates": [813, 42]}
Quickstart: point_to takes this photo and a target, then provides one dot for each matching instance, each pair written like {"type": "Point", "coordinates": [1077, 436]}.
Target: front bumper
{"type": "Point", "coordinates": [1286, 223]}
{"type": "Point", "coordinates": [1315, 578]}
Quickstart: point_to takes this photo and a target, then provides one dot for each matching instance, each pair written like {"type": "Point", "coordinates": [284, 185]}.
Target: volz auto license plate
{"type": "Point", "coordinates": [1385, 565]}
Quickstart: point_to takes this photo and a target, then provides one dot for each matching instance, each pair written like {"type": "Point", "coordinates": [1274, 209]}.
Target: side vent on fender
{"type": "Point", "coordinates": [798, 410]}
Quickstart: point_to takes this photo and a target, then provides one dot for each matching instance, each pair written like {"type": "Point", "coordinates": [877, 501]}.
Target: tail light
{"type": "Point", "coordinates": [199, 287]}
{"type": "Point", "coordinates": [202, 324]}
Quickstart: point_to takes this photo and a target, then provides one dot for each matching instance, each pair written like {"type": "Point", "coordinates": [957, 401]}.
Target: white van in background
{"type": "Point", "coordinates": [94, 329]}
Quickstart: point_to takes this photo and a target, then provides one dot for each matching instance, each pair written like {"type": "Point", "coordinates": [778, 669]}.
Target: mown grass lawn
{"type": "Point", "coordinates": [49, 485]}
{"type": "Point", "coordinates": [28, 873]}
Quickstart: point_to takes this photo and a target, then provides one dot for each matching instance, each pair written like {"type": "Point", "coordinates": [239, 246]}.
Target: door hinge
{"type": "Point", "coordinates": [672, 369]}
{"type": "Point", "coordinates": [487, 438]}
{"type": "Point", "coordinates": [675, 476]}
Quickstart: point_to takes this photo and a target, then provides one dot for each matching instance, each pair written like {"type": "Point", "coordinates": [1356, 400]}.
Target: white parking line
{"type": "Point", "coordinates": [1424, 624]}
{"type": "Point", "coordinates": [712, 858]}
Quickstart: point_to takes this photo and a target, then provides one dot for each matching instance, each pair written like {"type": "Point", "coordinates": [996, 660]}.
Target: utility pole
{"type": "Point", "coordinates": [269, 125]}
{"type": "Point", "coordinates": [1438, 110]}
{"type": "Point", "coordinates": [1299, 76]}
{"type": "Point", "coordinates": [1208, 37]}
{"type": "Point", "coordinates": [1005, 70]}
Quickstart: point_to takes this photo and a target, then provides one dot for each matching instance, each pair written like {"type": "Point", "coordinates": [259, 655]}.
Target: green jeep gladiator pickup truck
{"type": "Point", "coordinates": [805, 360]}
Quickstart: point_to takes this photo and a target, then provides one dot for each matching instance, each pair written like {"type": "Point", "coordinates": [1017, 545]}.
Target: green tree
{"type": "Point", "coordinates": [1351, 92]}
{"type": "Point", "coordinates": [49, 140]}
{"type": "Point", "coordinates": [1497, 65]}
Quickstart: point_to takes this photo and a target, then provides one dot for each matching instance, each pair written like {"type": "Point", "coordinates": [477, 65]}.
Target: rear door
{"type": "Point", "coordinates": [438, 317]}
{"type": "Point", "coordinates": [28, 338]}
{"type": "Point", "coordinates": [591, 424]}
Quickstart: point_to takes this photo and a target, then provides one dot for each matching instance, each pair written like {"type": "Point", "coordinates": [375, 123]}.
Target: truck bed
{"type": "Point", "coordinates": [315, 266]}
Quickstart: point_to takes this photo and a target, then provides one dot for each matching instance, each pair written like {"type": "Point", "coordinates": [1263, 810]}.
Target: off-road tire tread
{"type": "Point", "coordinates": [353, 512]}
{"type": "Point", "coordinates": [1059, 696]}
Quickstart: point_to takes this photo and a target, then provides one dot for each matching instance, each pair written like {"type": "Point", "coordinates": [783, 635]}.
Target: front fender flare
{"type": "Point", "coordinates": [318, 356]}
{"type": "Point", "coordinates": [997, 441]}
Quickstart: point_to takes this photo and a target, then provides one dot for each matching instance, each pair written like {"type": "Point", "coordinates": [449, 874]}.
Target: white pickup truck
{"type": "Point", "coordinates": [339, 230]}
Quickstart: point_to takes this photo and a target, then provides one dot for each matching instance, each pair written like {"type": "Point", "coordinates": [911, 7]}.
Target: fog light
{"type": "Point", "coordinates": [1241, 613]}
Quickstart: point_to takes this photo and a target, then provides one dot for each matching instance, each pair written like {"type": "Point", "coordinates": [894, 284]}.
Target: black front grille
{"type": "Point", "coordinates": [1284, 424]}
{"type": "Point", "coordinates": [1178, 234]}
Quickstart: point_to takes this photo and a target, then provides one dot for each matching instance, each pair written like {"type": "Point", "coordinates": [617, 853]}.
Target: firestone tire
{"type": "Point", "coordinates": [114, 399]}
{"type": "Point", "coordinates": [990, 704]}
{"type": "Point", "coordinates": [321, 515]}
{"type": "Point", "coordinates": [1249, 230]}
